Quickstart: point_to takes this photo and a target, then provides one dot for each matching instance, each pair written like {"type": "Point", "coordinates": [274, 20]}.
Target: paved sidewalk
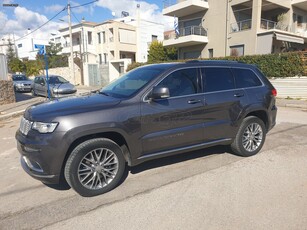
{"type": "Point", "coordinates": [18, 108]}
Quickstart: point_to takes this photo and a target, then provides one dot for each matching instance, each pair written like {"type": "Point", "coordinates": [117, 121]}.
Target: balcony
{"type": "Point", "coordinates": [188, 36]}
{"type": "Point", "coordinates": [302, 4]}
{"type": "Point", "coordinates": [241, 25]}
{"type": "Point", "coordinates": [180, 8]}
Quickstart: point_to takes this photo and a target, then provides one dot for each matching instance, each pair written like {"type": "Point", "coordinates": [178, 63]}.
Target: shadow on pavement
{"type": "Point", "coordinates": [23, 96]}
{"type": "Point", "coordinates": [179, 158]}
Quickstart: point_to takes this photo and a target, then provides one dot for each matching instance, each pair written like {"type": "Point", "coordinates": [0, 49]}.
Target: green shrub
{"type": "Point", "coordinates": [272, 65]}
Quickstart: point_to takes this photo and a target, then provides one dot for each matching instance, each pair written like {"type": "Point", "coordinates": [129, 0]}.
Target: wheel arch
{"type": "Point", "coordinates": [262, 115]}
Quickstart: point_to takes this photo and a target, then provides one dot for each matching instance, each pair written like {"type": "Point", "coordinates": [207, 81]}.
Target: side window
{"type": "Point", "coordinates": [217, 79]}
{"type": "Point", "coordinates": [181, 82]}
{"type": "Point", "coordinates": [36, 80]}
{"type": "Point", "coordinates": [245, 78]}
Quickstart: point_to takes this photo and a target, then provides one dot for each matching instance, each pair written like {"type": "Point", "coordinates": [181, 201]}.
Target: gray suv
{"type": "Point", "coordinates": [151, 112]}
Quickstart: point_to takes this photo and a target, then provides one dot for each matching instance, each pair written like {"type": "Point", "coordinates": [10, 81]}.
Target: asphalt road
{"type": "Point", "coordinates": [208, 189]}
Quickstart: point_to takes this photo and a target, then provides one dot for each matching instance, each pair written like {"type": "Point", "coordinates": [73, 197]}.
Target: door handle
{"type": "Point", "coordinates": [193, 101]}
{"type": "Point", "coordinates": [239, 94]}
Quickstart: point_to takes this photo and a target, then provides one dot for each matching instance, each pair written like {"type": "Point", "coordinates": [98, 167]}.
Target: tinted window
{"type": "Point", "coordinates": [181, 82]}
{"type": "Point", "coordinates": [217, 79]}
{"type": "Point", "coordinates": [131, 82]}
{"type": "Point", "coordinates": [246, 78]}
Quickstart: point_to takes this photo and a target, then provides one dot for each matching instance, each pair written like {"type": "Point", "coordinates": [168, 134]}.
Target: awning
{"type": "Point", "coordinates": [288, 38]}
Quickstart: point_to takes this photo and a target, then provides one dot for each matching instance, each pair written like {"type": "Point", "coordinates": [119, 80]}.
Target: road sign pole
{"type": "Point", "coordinates": [47, 77]}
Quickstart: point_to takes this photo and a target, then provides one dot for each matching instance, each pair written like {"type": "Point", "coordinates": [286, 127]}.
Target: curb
{"type": "Point", "coordinates": [11, 115]}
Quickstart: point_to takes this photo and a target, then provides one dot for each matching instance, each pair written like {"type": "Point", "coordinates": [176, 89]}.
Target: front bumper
{"type": "Point", "coordinates": [42, 156]}
{"type": "Point", "coordinates": [23, 88]}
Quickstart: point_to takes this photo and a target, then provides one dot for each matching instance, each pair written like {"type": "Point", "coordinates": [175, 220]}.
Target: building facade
{"type": "Point", "coordinates": [211, 28]}
{"type": "Point", "coordinates": [103, 51]}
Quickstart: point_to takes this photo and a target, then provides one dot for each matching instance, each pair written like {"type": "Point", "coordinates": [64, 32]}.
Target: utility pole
{"type": "Point", "coordinates": [71, 45]}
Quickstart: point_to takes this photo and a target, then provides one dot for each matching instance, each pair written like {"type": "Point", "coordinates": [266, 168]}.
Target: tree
{"type": "Point", "coordinates": [16, 65]}
{"type": "Point", "coordinates": [158, 53]}
{"type": "Point", "coordinates": [11, 56]}
{"type": "Point", "coordinates": [34, 68]}
{"type": "Point", "coordinates": [54, 58]}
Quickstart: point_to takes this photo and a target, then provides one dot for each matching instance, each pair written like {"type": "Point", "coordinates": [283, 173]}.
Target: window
{"type": "Point", "coordinates": [181, 82]}
{"type": "Point", "coordinates": [19, 45]}
{"type": "Point", "coordinates": [100, 59]}
{"type": "Point", "coordinates": [154, 38]}
{"type": "Point", "coordinates": [99, 38]}
{"type": "Point", "coordinates": [90, 40]}
{"type": "Point", "coordinates": [192, 55]}
{"type": "Point", "coordinates": [299, 21]}
{"type": "Point", "coordinates": [237, 51]}
{"type": "Point", "coordinates": [103, 37]}
{"type": "Point", "coordinates": [105, 58]}
{"type": "Point", "coordinates": [210, 53]}
{"type": "Point", "coordinates": [245, 78]}
{"type": "Point", "coordinates": [217, 79]}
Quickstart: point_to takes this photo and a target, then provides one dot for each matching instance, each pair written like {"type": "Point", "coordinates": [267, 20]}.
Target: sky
{"type": "Point", "coordinates": [31, 14]}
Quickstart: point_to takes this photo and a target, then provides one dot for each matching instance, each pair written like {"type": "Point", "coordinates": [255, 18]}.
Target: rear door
{"type": "Point", "coordinates": [223, 103]}
{"type": "Point", "coordinates": [174, 122]}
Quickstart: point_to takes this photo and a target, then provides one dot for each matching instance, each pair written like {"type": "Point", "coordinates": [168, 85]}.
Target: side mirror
{"type": "Point", "coordinates": [159, 92]}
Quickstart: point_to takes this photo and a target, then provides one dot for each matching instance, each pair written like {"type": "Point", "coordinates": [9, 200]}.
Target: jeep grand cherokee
{"type": "Point", "coordinates": [151, 112]}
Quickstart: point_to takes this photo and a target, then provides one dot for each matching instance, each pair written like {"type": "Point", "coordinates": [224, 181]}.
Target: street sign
{"type": "Point", "coordinates": [41, 49]}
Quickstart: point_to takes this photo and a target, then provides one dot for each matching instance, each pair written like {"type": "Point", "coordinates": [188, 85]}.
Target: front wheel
{"type": "Point", "coordinates": [33, 93]}
{"type": "Point", "coordinates": [95, 167]}
{"type": "Point", "coordinates": [250, 137]}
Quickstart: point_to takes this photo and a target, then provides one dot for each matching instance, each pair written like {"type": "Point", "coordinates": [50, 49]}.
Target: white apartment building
{"type": "Point", "coordinates": [217, 28]}
{"type": "Point", "coordinates": [104, 50]}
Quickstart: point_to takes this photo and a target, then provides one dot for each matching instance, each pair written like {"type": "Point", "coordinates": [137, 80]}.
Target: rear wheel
{"type": "Point", "coordinates": [95, 167]}
{"type": "Point", "coordinates": [250, 137]}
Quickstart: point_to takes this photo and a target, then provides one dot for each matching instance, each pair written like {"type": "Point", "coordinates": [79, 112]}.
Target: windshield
{"type": "Point", "coordinates": [132, 82]}
{"type": "Point", "coordinates": [20, 78]}
{"type": "Point", "coordinates": [57, 80]}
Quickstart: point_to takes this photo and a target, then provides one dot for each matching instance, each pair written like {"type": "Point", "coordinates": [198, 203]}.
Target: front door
{"type": "Point", "coordinates": [175, 122]}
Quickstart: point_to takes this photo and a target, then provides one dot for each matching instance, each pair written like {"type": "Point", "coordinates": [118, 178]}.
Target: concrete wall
{"type": "Point", "coordinates": [7, 94]}
{"type": "Point", "coordinates": [291, 87]}
{"type": "Point", "coordinates": [65, 72]}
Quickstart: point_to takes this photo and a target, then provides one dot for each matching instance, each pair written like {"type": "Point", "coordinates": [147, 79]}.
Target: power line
{"type": "Point", "coordinates": [42, 24]}
{"type": "Point", "coordinates": [75, 17]}
{"type": "Point", "coordinates": [85, 4]}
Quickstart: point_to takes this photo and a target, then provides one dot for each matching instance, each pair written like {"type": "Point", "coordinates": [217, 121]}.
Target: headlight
{"type": "Point", "coordinates": [19, 84]}
{"type": "Point", "coordinates": [55, 90]}
{"type": "Point", "coordinates": [44, 127]}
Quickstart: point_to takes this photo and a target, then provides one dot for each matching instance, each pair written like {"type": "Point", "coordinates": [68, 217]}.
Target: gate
{"type": "Point", "coordinates": [94, 77]}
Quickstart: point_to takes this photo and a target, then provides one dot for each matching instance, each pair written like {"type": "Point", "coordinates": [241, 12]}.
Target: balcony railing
{"type": "Point", "coordinates": [241, 25]}
{"type": "Point", "coordinates": [270, 25]}
{"type": "Point", "coordinates": [186, 31]}
{"type": "Point", "coordinates": [168, 3]}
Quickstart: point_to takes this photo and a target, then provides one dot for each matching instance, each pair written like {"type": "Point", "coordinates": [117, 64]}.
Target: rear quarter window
{"type": "Point", "coordinates": [217, 79]}
{"type": "Point", "coordinates": [245, 78]}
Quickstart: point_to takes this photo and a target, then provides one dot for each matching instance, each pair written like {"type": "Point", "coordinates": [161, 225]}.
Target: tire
{"type": "Point", "coordinates": [33, 93]}
{"type": "Point", "coordinates": [95, 167]}
{"type": "Point", "coordinates": [250, 137]}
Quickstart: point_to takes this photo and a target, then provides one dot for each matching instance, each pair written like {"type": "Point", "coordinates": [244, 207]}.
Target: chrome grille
{"type": "Point", "coordinates": [25, 126]}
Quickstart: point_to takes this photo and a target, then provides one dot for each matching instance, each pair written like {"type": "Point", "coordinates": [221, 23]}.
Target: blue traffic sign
{"type": "Point", "coordinates": [41, 49]}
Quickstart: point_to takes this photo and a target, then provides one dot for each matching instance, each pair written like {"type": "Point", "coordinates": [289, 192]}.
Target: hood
{"type": "Point", "coordinates": [47, 111]}
{"type": "Point", "coordinates": [62, 86]}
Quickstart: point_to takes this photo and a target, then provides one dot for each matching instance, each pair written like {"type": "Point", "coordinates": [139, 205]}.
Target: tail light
{"type": "Point", "coordinates": [274, 92]}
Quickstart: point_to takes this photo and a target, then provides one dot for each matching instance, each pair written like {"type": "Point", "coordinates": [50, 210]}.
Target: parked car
{"type": "Point", "coordinates": [58, 86]}
{"type": "Point", "coordinates": [21, 83]}
{"type": "Point", "coordinates": [151, 112]}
